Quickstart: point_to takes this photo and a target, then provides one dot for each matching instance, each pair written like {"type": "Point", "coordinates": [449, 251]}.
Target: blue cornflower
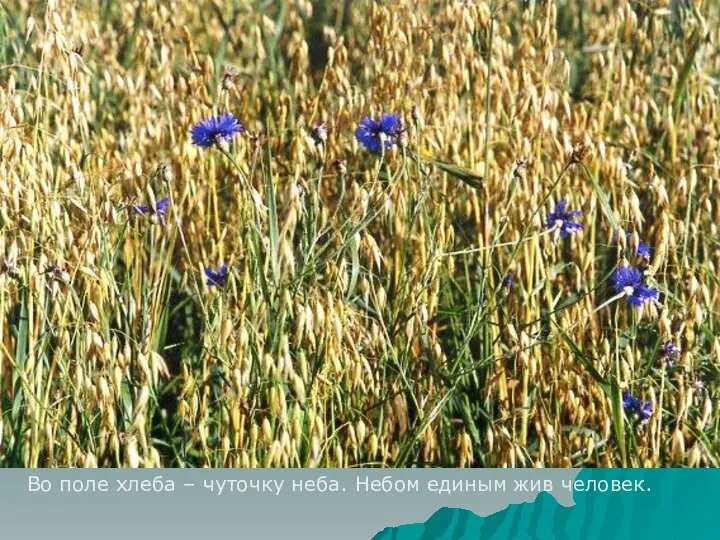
{"type": "Point", "coordinates": [635, 406]}
{"type": "Point", "coordinates": [643, 250]}
{"type": "Point", "coordinates": [217, 130]}
{"type": "Point", "coordinates": [671, 350]}
{"type": "Point", "coordinates": [670, 353]}
{"type": "Point", "coordinates": [372, 134]}
{"type": "Point", "coordinates": [509, 280]}
{"type": "Point", "coordinates": [629, 401]}
{"type": "Point", "coordinates": [217, 278]}
{"type": "Point", "coordinates": [160, 209]}
{"type": "Point", "coordinates": [562, 219]}
{"type": "Point", "coordinates": [645, 412]}
{"type": "Point", "coordinates": [631, 281]}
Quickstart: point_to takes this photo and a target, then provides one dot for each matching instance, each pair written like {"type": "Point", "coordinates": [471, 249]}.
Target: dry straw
{"type": "Point", "coordinates": [286, 298]}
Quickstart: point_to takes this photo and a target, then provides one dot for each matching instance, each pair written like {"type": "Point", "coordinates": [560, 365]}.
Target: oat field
{"type": "Point", "coordinates": [284, 233]}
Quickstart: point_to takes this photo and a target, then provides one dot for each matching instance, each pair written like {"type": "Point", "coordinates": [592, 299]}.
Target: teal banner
{"type": "Point", "coordinates": [632, 504]}
{"type": "Point", "coordinates": [381, 504]}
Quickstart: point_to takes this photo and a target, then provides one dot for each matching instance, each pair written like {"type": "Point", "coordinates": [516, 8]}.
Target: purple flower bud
{"type": "Point", "coordinates": [319, 134]}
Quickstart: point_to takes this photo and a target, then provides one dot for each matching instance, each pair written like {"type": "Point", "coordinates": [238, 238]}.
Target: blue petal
{"type": "Point", "coordinates": [206, 133]}
{"type": "Point", "coordinates": [568, 228]}
{"type": "Point", "coordinates": [162, 205]}
{"type": "Point", "coordinates": [646, 411]}
{"type": "Point", "coordinates": [390, 124]}
{"type": "Point", "coordinates": [644, 250]}
{"type": "Point", "coordinates": [643, 295]}
{"type": "Point", "coordinates": [160, 209]}
{"type": "Point", "coordinates": [627, 399]}
{"type": "Point", "coordinates": [567, 225]}
{"type": "Point", "coordinates": [368, 132]}
{"type": "Point", "coordinates": [217, 277]}
{"type": "Point", "coordinates": [626, 276]}
{"type": "Point", "coordinates": [670, 349]}
{"type": "Point", "coordinates": [648, 293]}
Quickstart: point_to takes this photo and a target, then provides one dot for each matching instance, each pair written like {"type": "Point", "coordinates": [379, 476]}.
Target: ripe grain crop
{"type": "Point", "coordinates": [339, 234]}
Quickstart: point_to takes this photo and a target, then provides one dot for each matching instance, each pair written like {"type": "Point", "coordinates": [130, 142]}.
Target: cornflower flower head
{"type": "Point", "coordinates": [635, 406]}
{"type": "Point", "coordinates": [642, 250]}
{"type": "Point", "coordinates": [508, 281]}
{"type": "Point", "coordinates": [376, 135]}
{"type": "Point", "coordinates": [319, 134]}
{"type": "Point", "coordinates": [339, 166]}
{"type": "Point", "coordinates": [57, 273]}
{"type": "Point", "coordinates": [159, 210]}
{"type": "Point", "coordinates": [645, 412]}
{"type": "Point", "coordinates": [562, 220]}
{"type": "Point", "coordinates": [216, 131]}
{"type": "Point", "coordinates": [217, 278]}
{"type": "Point", "coordinates": [631, 281]}
{"type": "Point", "coordinates": [10, 268]}
{"type": "Point", "coordinates": [670, 353]}
{"type": "Point", "coordinates": [629, 401]}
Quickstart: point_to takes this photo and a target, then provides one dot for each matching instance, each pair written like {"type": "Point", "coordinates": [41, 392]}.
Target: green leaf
{"type": "Point", "coordinates": [603, 198]}
{"type": "Point", "coordinates": [618, 421]}
{"type": "Point", "coordinates": [21, 353]}
{"type": "Point", "coordinates": [685, 72]}
{"type": "Point", "coordinates": [273, 221]}
{"type": "Point", "coordinates": [355, 257]}
{"type": "Point", "coordinates": [585, 361]}
{"type": "Point", "coordinates": [465, 175]}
